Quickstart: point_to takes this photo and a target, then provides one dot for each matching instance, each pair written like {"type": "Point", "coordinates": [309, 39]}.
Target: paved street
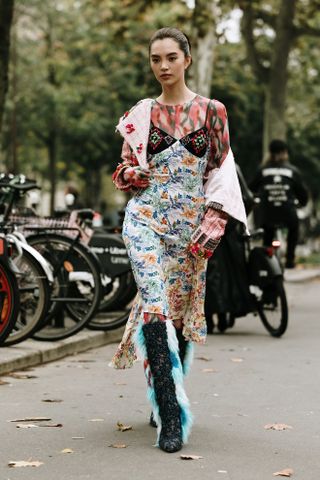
{"type": "Point", "coordinates": [240, 382]}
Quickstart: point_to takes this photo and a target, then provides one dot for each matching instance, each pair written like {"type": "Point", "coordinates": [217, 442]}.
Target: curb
{"type": "Point", "coordinates": [31, 352]}
{"type": "Point", "coordinates": [301, 277]}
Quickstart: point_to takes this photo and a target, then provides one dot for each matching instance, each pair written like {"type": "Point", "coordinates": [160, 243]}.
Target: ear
{"type": "Point", "coordinates": [187, 62]}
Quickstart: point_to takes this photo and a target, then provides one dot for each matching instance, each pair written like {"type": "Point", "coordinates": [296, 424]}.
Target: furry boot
{"type": "Point", "coordinates": [165, 380]}
{"type": "Point", "coordinates": [186, 355]}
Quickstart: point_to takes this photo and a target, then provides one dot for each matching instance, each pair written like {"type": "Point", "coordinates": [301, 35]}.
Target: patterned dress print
{"type": "Point", "coordinates": [160, 219]}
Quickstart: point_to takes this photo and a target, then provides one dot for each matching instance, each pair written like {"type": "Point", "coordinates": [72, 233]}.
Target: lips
{"type": "Point", "coordinates": [165, 75]}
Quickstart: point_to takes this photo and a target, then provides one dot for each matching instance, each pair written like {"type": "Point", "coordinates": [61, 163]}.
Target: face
{"type": "Point", "coordinates": [168, 61]}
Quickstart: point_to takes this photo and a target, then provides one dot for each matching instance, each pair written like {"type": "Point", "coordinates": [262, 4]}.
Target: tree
{"type": "Point", "coordinates": [270, 32]}
{"type": "Point", "coordinates": [6, 16]}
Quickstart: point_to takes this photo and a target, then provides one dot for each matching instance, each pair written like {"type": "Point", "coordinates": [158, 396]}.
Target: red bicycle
{"type": "Point", "coordinates": [9, 292]}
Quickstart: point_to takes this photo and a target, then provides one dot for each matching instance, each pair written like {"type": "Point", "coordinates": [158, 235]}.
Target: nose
{"type": "Point", "coordinates": [164, 66]}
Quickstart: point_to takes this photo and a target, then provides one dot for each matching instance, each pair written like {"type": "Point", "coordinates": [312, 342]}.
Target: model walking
{"type": "Point", "coordinates": [178, 164]}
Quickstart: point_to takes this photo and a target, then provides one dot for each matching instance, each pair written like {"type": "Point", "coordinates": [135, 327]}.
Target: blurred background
{"type": "Point", "coordinates": [70, 68]}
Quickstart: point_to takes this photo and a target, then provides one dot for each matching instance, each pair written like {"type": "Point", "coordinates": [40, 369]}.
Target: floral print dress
{"type": "Point", "coordinates": [161, 218]}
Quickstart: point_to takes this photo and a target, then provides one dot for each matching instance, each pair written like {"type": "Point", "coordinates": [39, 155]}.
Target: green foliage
{"type": "Point", "coordinates": [81, 64]}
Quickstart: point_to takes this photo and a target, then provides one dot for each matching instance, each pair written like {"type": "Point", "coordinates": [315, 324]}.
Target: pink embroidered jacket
{"type": "Point", "coordinates": [222, 189]}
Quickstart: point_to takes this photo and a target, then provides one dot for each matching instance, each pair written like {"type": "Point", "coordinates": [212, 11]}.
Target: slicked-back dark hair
{"type": "Point", "coordinates": [176, 35]}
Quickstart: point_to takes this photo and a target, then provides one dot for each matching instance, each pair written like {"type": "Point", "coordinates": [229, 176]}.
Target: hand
{"type": "Point", "coordinates": [207, 236]}
{"type": "Point", "coordinates": [137, 177]}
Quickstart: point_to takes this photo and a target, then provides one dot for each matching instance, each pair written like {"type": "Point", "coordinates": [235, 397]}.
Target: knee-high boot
{"type": "Point", "coordinates": [165, 384]}
{"type": "Point", "coordinates": [186, 357]}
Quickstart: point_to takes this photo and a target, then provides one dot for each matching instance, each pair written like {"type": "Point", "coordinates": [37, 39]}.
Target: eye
{"type": "Point", "coordinates": [155, 60]}
{"type": "Point", "coordinates": [172, 59]}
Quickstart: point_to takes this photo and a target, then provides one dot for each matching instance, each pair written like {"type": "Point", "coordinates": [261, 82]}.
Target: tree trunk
{"type": "Point", "coordinates": [6, 14]}
{"type": "Point", "coordinates": [205, 40]}
{"type": "Point", "coordinates": [276, 89]}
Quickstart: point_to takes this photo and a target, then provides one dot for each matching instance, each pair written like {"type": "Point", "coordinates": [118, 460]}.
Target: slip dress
{"type": "Point", "coordinates": [158, 224]}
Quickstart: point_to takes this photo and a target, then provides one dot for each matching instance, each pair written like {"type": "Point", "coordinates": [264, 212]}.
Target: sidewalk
{"type": "Point", "coordinates": [31, 352]}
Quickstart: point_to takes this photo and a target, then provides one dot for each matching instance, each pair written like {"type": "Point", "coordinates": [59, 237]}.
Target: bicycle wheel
{"type": "Point", "coordinates": [272, 308]}
{"type": "Point", "coordinates": [77, 286]}
{"type": "Point", "coordinates": [110, 320]}
{"type": "Point", "coordinates": [34, 292]}
{"type": "Point", "coordinates": [9, 302]}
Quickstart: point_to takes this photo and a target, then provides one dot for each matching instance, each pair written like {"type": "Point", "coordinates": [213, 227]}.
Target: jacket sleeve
{"type": "Point", "coordinates": [300, 190]}
{"type": "Point", "coordinates": [129, 160]}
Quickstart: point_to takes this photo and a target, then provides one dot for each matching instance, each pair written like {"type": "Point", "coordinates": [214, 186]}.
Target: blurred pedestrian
{"type": "Point", "coordinates": [280, 188]}
{"type": "Point", "coordinates": [178, 164]}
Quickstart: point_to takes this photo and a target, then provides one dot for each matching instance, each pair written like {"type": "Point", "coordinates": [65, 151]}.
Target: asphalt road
{"type": "Point", "coordinates": [240, 382]}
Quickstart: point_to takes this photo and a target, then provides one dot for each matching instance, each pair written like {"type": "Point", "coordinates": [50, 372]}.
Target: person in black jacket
{"type": "Point", "coordinates": [280, 188]}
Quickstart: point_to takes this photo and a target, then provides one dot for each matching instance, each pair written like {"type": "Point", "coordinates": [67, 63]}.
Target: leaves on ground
{"type": "Point", "coordinates": [43, 425]}
{"type": "Point", "coordinates": [123, 428]}
{"type": "Point", "coordinates": [26, 425]}
{"type": "Point", "coordinates": [77, 438]}
{"type": "Point", "coordinates": [67, 450]}
{"type": "Point", "coordinates": [118, 445]}
{"type": "Point", "coordinates": [209, 370]}
{"type": "Point", "coordinates": [287, 472]}
{"type": "Point", "coordinates": [20, 376]}
{"type": "Point", "coordinates": [3, 382]}
{"type": "Point", "coordinates": [52, 400]}
{"type": "Point", "coordinates": [204, 359]}
{"type": "Point", "coordinates": [31, 419]}
{"type": "Point", "coordinates": [96, 420]}
{"type": "Point", "coordinates": [277, 426]}
{"type": "Point", "coordinates": [25, 463]}
{"type": "Point", "coordinates": [119, 383]}
{"type": "Point", "coordinates": [237, 360]}
{"type": "Point", "coordinates": [190, 457]}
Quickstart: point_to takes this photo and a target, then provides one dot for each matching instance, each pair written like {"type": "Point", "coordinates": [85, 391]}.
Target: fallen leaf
{"type": "Point", "coordinates": [31, 419]}
{"type": "Point", "coordinates": [77, 438]}
{"type": "Point", "coordinates": [52, 400]}
{"type": "Point", "coordinates": [120, 383]}
{"type": "Point", "coordinates": [23, 463]}
{"type": "Point", "coordinates": [51, 425]}
{"type": "Point", "coordinates": [209, 370]}
{"type": "Point", "coordinates": [96, 420]}
{"type": "Point", "coordinates": [277, 426]}
{"type": "Point", "coordinates": [237, 360]}
{"type": "Point", "coordinates": [205, 359]}
{"type": "Point", "coordinates": [287, 472]}
{"type": "Point", "coordinates": [20, 376]}
{"type": "Point", "coordinates": [118, 445]}
{"type": "Point", "coordinates": [123, 428]}
{"type": "Point", "coordinates": [67, 450]}
{"type": "Point", "coordinates": [84, 361]}
{"type": "Point", "coordinates": [26, 425]}
{"type": "Point", "coordinates": [3, 382]}
{"type": "Point", "coordinates": [190, 457]}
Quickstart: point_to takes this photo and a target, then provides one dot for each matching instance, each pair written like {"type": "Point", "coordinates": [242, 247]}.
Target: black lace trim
{"type": "Point", "coordinates": [196, 142]}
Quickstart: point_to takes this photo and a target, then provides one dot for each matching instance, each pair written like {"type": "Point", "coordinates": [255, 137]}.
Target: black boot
{"type": "Point", "coordinates": [158, 352]}
{"type": "Point", "coordinates": [183, 346]}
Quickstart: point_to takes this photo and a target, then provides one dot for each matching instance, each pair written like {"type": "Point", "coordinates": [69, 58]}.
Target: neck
{"type": "Point", "coordinates": [176, 94]}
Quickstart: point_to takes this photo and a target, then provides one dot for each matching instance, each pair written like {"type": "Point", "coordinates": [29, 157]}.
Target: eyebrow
{"type": "Point", "coordinates": [168, 54]}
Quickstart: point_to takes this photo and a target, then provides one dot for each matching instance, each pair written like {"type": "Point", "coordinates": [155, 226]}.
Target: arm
{"type": "Point", "coordinates": [207, 236]}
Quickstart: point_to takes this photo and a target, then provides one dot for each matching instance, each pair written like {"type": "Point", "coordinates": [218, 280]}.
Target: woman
{"type": "Point", "coordinates": [178, 164]}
